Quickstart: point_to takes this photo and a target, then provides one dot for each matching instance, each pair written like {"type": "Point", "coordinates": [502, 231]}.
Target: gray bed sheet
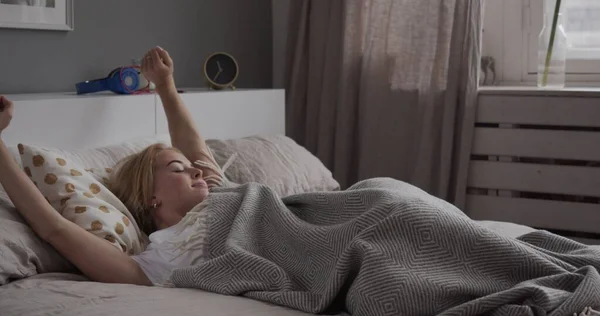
{"type": "Point", "coordinates": [69, 294]}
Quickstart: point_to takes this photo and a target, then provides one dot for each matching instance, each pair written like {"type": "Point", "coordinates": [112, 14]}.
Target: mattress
{"type": "Point", "coordinates": [70, 294]}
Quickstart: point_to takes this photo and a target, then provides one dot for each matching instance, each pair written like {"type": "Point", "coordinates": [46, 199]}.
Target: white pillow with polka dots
{"type": "Point", "coordinates": [102, 175]}
{"type": "Point", "coordinates": [82, 197]}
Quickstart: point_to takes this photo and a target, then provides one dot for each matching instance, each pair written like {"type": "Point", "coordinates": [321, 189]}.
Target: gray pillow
{"type": "Point", "coordinates": [274, 160]}
{"type": "Point", "coordinates": [22, 252]}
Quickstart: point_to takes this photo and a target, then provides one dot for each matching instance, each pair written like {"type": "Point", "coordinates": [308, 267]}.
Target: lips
{"type": "Point", "coordinates": [199, 184]}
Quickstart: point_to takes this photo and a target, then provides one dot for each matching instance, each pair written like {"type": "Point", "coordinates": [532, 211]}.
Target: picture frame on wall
{"type": "Point", "coordinates": [55, 15]}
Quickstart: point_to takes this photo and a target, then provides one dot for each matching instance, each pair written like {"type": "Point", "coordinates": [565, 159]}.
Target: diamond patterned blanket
{"type": "Point", "coordinates": [384, 247]}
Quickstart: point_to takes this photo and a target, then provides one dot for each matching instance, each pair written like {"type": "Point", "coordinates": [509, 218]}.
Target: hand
{"type": "Point", "coordinates": [6, 112]}
{"type": "Point", "coordinates": [219, 72]}
{"type": "Point", "coordinates": [217, 75]}
{"type": "Point", "coordinates": [157, 67]}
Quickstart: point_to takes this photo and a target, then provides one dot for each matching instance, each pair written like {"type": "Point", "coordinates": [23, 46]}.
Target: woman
{"type": "Point", "coordinates": [158, 185]}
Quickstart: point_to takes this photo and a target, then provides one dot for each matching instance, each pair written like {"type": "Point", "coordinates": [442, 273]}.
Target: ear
{"type": "Point", "coordinates": [155, 214]}
{"type": "Point", "coordinates": [154, 201]}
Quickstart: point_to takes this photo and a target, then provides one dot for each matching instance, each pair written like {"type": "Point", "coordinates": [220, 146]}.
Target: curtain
{"type": "Point", "coordinates": [385, 88]}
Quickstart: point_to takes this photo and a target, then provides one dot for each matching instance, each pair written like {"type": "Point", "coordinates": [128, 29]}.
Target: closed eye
{"type": "Point", "coordinates": [177, 163]}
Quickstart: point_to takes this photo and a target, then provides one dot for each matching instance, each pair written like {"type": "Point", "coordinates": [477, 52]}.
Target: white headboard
{"type": "Point", "coordinates": [69, 121]}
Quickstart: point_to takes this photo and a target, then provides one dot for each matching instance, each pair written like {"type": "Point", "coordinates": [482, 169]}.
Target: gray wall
{"type": "Point", "coordinates": [280, 13]}
{"type": "Point", "coordinates": [109, 33]}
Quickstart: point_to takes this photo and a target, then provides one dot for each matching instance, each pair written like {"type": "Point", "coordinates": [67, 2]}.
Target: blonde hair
{"type": "Point", "coordinates": [133, 183]}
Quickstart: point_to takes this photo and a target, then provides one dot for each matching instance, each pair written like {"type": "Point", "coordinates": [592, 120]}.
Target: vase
{"type": "Point", "coordinates": [552, 48]}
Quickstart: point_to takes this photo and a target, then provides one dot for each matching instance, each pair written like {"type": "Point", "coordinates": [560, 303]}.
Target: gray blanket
{"type": "Point", "coordinates": [384, 247]}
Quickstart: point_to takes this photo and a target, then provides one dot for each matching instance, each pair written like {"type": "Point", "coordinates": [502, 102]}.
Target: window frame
{"type": "Point", "coordinates": [519, 23]}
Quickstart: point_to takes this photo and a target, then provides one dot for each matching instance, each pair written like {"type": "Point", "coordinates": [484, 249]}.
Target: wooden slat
{"type": "Point", "coordinates": [587, 241]}
{"type": "Point", "coordinates": [537, 143]}
{"type": "Point", "coordinates": [535, 178]}
{"type": "Point", "coordinates": [578, 217]}
{"type": "Point", "coordinates": [536, 110]}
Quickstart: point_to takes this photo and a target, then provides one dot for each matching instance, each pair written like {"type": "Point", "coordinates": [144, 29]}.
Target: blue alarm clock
{"type": "Point", "coordinates": [122, 80]}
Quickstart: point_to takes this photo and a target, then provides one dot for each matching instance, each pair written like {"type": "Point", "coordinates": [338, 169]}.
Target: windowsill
{"type": "Point", "coordinates": [535, 91]}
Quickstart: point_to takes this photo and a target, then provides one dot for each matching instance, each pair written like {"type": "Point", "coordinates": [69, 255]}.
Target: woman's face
{"type": "Point", "coordinates": [178, 187]}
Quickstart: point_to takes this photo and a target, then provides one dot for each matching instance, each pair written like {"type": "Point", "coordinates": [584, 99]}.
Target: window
{"type": "Point", "coordinates": [511, 30]}
{"type": "Point", "coordinates": [582, 25]}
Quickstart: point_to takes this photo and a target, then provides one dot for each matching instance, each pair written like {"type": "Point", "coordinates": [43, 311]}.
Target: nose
{"type": "Point", "coordinates": [196, 173]}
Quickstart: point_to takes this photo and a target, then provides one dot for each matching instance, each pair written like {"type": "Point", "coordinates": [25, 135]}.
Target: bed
{"type": "Point", "coordinates": [96, 131]}
{"type": "Point", "coordinates": [100, 129]}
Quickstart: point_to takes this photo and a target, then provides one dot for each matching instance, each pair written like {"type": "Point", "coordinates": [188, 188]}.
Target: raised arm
{"type": "Point", "coordinates": [157, 67]}
{"type": "Point", "coordinates": [93, 256]}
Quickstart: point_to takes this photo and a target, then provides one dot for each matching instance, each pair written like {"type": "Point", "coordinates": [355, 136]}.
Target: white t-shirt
{"type": "Point", "coordinates": [166, 251]}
